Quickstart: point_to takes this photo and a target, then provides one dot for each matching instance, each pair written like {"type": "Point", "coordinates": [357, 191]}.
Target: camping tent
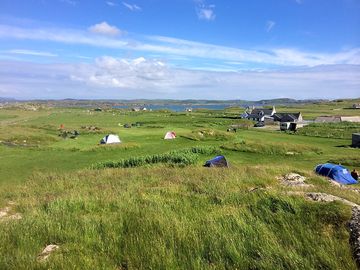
{"type": "Point", "coordinates": [170, 135]}
{"type": "Point", "coordinates": [111, 138]}
{"type": "Point", "coordinates": [218, 161]}
{"type": "Point", "coordinates": [336, 172]}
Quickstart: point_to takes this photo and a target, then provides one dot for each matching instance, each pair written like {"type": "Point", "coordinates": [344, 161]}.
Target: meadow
{"type": "Point", "coordinates": [148, 203]}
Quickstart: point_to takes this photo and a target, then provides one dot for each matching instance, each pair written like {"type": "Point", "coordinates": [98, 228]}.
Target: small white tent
{"type": "Point", "coordinates": [111, 138]}
{"type": "Point", "coordinates": [170, 135]}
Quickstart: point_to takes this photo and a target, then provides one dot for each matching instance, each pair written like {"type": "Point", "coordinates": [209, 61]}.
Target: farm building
{"type": "Point", "coordinates": [355, 140]}
{"type": "Point", "coordinates": [350, 119]}
{"type": "Point", "coordinates": [336, 118]}
{"type": "Point", "coordinates": [356, 106]}
{"type": "Point", "coordinates": [284, 126]}
{"type": "Point", "coordinates": [327, 119]}
{"type": "Point", "coordinates": [244, 115]}
{"type": "Point", "coordinates": [288, 117]}
{"type": "Point", "coordinates": [292, 126]}
{"type": "Point", "coordinates": [268, 120]}
{"type": "Point", "coordinates": [260, 114]}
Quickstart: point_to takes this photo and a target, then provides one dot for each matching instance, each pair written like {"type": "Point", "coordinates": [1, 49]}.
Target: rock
{"type": "Point", "coordinates": [47, 252]}
{"type": "Point", "coordinates": [15, 216]}
{"type": "Point", "coordinates": [294, 180]}
{"type": "Point", "coordinates": [323, 197]}
{"type": "Point", "coordinates": [354, 227]}
{"type": "Point", "coordinates": [4, 212]}
{"type": "Point", "coordinates": [334, 183]}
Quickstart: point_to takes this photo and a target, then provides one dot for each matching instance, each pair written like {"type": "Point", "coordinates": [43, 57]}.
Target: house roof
{"type": "Point", "coordinates": [262, 111]}
{"type": "Point", "coordinates": [286, 117]}
{"type": "Point", "coordinates": [253, 115]}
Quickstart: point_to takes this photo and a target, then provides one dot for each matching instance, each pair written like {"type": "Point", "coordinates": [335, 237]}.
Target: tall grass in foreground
{"type": "Point", "coordinates": [342, 130]}
{"type": "Point", "coordinates": [270, 148]}
{"type": "Point", "coordinates": [207, 134]}
{"type": "Point", "coordinates": [171, 218]}
{"type": "Point", "coordinates": [182, 157]}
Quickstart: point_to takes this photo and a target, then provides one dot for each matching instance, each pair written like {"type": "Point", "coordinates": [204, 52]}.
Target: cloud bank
{"type": "Point", "coordinates": [151, 78]}
{"type": "Point", "coordinates": [103, 35]}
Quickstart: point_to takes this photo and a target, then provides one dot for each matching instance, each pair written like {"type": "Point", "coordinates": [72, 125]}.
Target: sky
{"type": "Point", "coordinates": [179, 49]}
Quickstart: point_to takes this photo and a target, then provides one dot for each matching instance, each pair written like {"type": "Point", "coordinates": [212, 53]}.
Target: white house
{"type": "Point", "coordinates": [260, 114]}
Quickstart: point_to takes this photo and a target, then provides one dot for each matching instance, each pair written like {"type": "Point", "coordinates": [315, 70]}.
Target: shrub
{"type": "Point", "coordinates": [112, 147]}
{"type": "Point", "coordinates": [270, 148]}
{"type": "Point", "coordinates": [181, 157]}
{"type": "Point", "coordinates": [341, 130]}
{"type": "Point", "coordinates": [208, 135]}
{"type": "Point", "coordinates": [354, 162]}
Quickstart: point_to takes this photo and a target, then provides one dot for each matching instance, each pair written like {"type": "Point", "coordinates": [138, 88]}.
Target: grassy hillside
{"type": "Point", "coordinates": [166, 211]}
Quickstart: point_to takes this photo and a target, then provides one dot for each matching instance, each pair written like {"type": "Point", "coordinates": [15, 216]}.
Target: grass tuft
{"type": "Point", "coordinates": [271, 148]}
{"type": "Point", "coordinates": [181, 157]}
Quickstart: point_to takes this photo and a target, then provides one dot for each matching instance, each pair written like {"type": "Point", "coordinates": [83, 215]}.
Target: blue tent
{"type": "Point", "coordinates": [336, 172]}
{"type": "Point", "coordinates": [218, 161]}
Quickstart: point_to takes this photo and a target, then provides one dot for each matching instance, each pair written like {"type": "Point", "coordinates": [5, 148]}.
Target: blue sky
{"type": "Point", "coordinates": [180, 49]}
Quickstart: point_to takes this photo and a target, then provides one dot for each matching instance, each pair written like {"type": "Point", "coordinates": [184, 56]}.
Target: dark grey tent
{"type": "Point", "coordinates": [218, 161]}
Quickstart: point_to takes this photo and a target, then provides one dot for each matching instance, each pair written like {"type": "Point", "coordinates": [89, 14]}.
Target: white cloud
{"type": "Point", "coordinates": [31, 52]}
{"type": "Point", "coordinates": [270, 25]}
{"type": "Point", "coordinates": [206, 14]}
{"type": "Point", "coordinates": [152, 78]}
{"type": "Point", "coordinates": [167, 46]}
{"type": "Point", "coordinates": [70, 2]}
{"type": "Point", "coordinates": [132, 7]}
{"type": "Point", "coordinates": [111, 4]}
{"type": "Point", "coordinates": [204, 11]}
{"type": "Point", "coordinates": [105, 29]}
{"type": "Point", "coordinates": [139, 73]}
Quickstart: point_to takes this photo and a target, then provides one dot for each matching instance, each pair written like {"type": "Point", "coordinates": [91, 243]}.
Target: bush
{"type": "Point", "coordinates": [354, 162]}
{"type": "Point", "coordinates": [208, 135]}
{"type": "Point", "coordinates": [111, 147]}
{"type": "Point", "coordinates": [182, 157]}
{"type": "Point", "coordinates": [341, 130]}
{"type": "Point", "coordinates": [271, 148]}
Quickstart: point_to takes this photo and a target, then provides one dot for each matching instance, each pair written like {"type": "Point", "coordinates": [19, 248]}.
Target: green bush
{"type": "Point", "coordinates": [111, 147]}
{"type": "Point", "coordinates": [354, 162]}
{"type": "Point", "coordinates": [209, 135]}
{"type": "Point", "coordinates": [271, 148]}
{"type": "Point", "coordinates": [341, 130]}
{"type": "Point", "coordinates": [181, 157]}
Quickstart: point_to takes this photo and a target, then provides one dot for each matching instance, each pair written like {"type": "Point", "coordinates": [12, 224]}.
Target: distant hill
{"type": "Point", "coordinates": [4, 99]}
{"type": "Point", "coordinates": [70, 102]}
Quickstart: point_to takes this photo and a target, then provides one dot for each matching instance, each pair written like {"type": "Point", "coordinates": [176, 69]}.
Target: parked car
{"type": "Point", "coordinates": [259, 124]}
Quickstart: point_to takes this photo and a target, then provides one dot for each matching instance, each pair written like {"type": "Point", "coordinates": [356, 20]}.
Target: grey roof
{"type": "Point", "coordinates": [255, 116]}
{"type": "Point", "coordinates": [286, 117]}
{"type": "Point", "coordinates": [262, 111]}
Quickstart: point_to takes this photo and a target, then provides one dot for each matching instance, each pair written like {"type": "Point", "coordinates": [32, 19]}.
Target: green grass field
{"type": "Point", "coordinates": [164, 212]}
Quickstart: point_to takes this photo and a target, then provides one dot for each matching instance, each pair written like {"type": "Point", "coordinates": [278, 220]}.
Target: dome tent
{"type": "Point", "coordinates": [336, 172]}
{"type": "Point", "coordinates": [110, 139]}
{"type": "Point", "coordinates": [218, 161]}
{"type": "Point", "coordinates": [170, 135]}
